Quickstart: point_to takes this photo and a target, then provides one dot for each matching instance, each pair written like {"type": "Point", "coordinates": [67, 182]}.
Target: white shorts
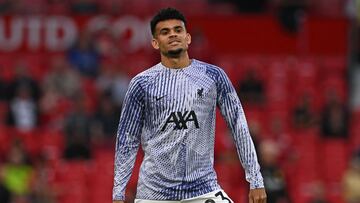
{"type": "Point", "coordinates": [218, 196]}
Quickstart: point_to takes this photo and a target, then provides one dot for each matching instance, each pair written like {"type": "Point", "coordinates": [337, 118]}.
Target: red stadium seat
{"type": "Point", "coordinates": [71, 181]}
{"type": "Point", "coordinates": [57, 8]}
{"type": "Point", "coordinates": [6, 66]}
{"type": "Point", "coordinates": [139, 7]}
{"type": "Point", "coordinates": [255, 62]}
{"type": "Point", "coordinates": [5, 140]}
{"type": "Point", "coordinates": [31, 142]}
{"type": "Point", "coordinates": [336, 83]}
{"type": "Point", "coordinates": [52, 143]}
{"type": "Point", "coordinates": [305, 78]}
{"type": "Point", "coordinates": [256, 114]}
{"type": "Point", "coordinates": [90, 94]}
{"type": "Point", "coordinates": [102, 175]}
{"type": "Point", "coordinates": [355, 131]}
{"type": "Point", "coordinates": [35, 63]}
{"type": "Point", "coordinates": [306, 145]}
{"type": "Point", "coordinates": [198, 7]}
{"type": "Point", "coordinates": [137, 63]}
{"type": "Point", "coordinates": [334, 159]}
{"type": "Point", "coordinates": [230, 67]}
{"type": "Point", "coordinates": [230, 171]}
{"type": "Point", "coordinates": [330, 8]}
{"type": "Point", "coordinates": [101, 182]}
{"type": "Point", "coordinates": [334, 65]}
{"type": "Point", "coordinates": [277, 86]}
{"type": "Point", "coordinates": [238, 194]}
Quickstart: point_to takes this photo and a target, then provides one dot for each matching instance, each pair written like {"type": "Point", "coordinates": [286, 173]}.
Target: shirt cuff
{"type": "Point", "coordinates": [118, 197]}
{"type": "Point", "coordinates": [257, 182]}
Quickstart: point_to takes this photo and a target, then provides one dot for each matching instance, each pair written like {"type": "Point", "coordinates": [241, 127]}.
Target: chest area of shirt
{"type": "Point", "coordinates": [180, 92]}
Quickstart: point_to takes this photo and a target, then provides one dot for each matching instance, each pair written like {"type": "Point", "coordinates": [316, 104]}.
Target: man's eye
{"type": "Point", "coordinates": [163, 32]}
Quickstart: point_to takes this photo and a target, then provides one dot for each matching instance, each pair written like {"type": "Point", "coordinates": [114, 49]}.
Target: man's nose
{"type": "Point", "coordinates": [173, 34]}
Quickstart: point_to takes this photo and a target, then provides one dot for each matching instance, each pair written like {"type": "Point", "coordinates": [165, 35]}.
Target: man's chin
{"type": "Point", "coordinates": [174, 53]}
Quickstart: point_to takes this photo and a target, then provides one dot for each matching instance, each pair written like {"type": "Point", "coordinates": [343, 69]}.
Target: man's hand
{"type": "Point", "coordinates": [257, 195]}
{"type": "Point", "coordinates": [118, 201]}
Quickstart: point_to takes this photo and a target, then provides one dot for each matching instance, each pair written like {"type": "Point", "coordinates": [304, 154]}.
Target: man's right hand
{"type": "Point", "coordinates": [118, 201]}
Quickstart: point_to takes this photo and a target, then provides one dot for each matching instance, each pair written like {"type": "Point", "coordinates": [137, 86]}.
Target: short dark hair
{"type": "Point", "coordinates": [166, 14]}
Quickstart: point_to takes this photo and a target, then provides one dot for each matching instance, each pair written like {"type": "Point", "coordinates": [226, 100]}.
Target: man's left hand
{"type": "Point", "coordinates": [257, 195]}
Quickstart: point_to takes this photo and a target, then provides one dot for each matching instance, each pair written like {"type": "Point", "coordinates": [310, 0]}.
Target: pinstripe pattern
{"type": "Point", "coordinates": [178, 163]}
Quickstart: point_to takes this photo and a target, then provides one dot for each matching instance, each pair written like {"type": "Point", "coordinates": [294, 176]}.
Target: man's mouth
{"type": "Point", "coordinates": [174, 41]}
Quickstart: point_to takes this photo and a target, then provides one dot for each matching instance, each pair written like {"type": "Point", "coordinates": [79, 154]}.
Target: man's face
{"type": "Point", "coordinates": [171, 38]}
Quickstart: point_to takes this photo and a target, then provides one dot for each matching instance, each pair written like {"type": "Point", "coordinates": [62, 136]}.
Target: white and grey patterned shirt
{"type": "Point", "coordinates": [171, 114]}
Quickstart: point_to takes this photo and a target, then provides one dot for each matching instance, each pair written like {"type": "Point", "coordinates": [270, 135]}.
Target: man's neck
{"type": "Point", "coordinates": [176, 63]}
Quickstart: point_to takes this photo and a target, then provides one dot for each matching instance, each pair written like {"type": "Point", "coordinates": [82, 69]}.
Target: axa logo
{"type": "Point", "coordinates": [180, 120]}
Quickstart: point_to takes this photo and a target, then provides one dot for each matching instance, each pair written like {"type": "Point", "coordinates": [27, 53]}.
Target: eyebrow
{"type": "Point", "coordinates": [164, 29]}
{"type": "Point", "coordinates": [167, 29]}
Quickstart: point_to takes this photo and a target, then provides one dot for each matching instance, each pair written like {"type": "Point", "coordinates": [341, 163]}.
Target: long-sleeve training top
{"type": "Point", "coordinates": [170, 113]}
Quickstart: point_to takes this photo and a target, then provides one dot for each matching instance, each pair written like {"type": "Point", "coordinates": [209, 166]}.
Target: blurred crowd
{"type": "Point", "coordinates": [289, 8]}
{"type": "Point", "coordinates": [79, 97]}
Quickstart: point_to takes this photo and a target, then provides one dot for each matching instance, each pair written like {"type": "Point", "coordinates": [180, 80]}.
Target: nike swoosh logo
{"type": "Point", "coordinates": [158, 98]}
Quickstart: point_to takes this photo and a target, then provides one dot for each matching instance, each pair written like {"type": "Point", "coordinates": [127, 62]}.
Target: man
{"type": "Point", "coordinates": [170, 110]}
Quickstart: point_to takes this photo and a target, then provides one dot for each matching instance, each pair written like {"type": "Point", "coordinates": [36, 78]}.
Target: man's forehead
{"type": "Point", "coordinates": [170, 24]}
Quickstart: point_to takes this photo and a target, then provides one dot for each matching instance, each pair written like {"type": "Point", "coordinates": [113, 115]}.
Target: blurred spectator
{"type": "Point", "coordinates": [274, 178]}
{"type": "Point", "coordinates": [290, 13]}
{"type": "Point", "coordinates": [84, 6]}
{"type": "Point", "coordinates": [59, 86]}
{"type": "Point", "coordinates": [83, 55]}
{"type": "Point", "coordinates": [23, 111]}
{"type": "Point", "coordinates": [115, 81]}
{"type": "Point", "coordinates": [28, 6]}
{"type": "Point", "coordinates": [114, 7]}
{"type": "Point", "coordinates": [17, 172]}
{"type": "Point", "coordinates": [318, 194]}
{"type": "Point", "coordinates": [42, 192]}
{"type": "Point", "coordinates": [53, 109]}
{"type": "Point", "coordinates": [303, 116]}
{"type": "Point", "coordinates": [77, 130]}
{"type": "Point", "coordinates": [351, 180]}
{"type": "Point", "coordinates": [106, 120]}
{"type": "Point", "coordinates": [251, 88]}
{"type": "Point", "coordinates": [3, 95]}
{"type": "Point", "coordinates": [23, 79]}
{"type": "Point", "coordinates": [54, 7]}
{"type": "Point", "coordinates": [335, 117]}
{"type": "Point", "coordinates": [200, 46]}
{"type": "Point", "coordinates": [279, 134]}
{"type": "Point", "coordinates": [254, 6]}
{"type": "Point", "coordinates": [5, 195]}
{"type": "Point", "coordinates": [5, 7]}
{"type": "Point", "coordinates": [106, 44]}
{"type": "Point", "coordinates": [351, 8]}
{"type": "Point", "coordinates": [62, 79]}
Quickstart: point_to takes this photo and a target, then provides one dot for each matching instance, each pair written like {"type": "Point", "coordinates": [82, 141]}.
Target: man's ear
{"type": "Point", "coordinates": [155, 43]}
{"type": "Point", "coordinates": [188, 38]}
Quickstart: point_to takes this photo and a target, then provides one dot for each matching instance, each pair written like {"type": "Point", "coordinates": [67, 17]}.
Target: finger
{"type": "Point", "coordinates": [264, 199]}
{"type": "Point", "coordinates": [257, 199]}
{"type": "Point", "coordinates": [251, 200]}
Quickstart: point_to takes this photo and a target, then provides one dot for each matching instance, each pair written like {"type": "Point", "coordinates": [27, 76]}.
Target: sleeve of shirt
{"type": "Point", "coordinates": [128, 137]}
{"type": "Point", "coordinates": [231, 109]}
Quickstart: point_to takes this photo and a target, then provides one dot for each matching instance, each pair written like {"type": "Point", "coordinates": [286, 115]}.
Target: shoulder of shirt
{"type": "Point", "coordinates": [146, 75]}
{"type": "Point", "coordinates": [211, 70]}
